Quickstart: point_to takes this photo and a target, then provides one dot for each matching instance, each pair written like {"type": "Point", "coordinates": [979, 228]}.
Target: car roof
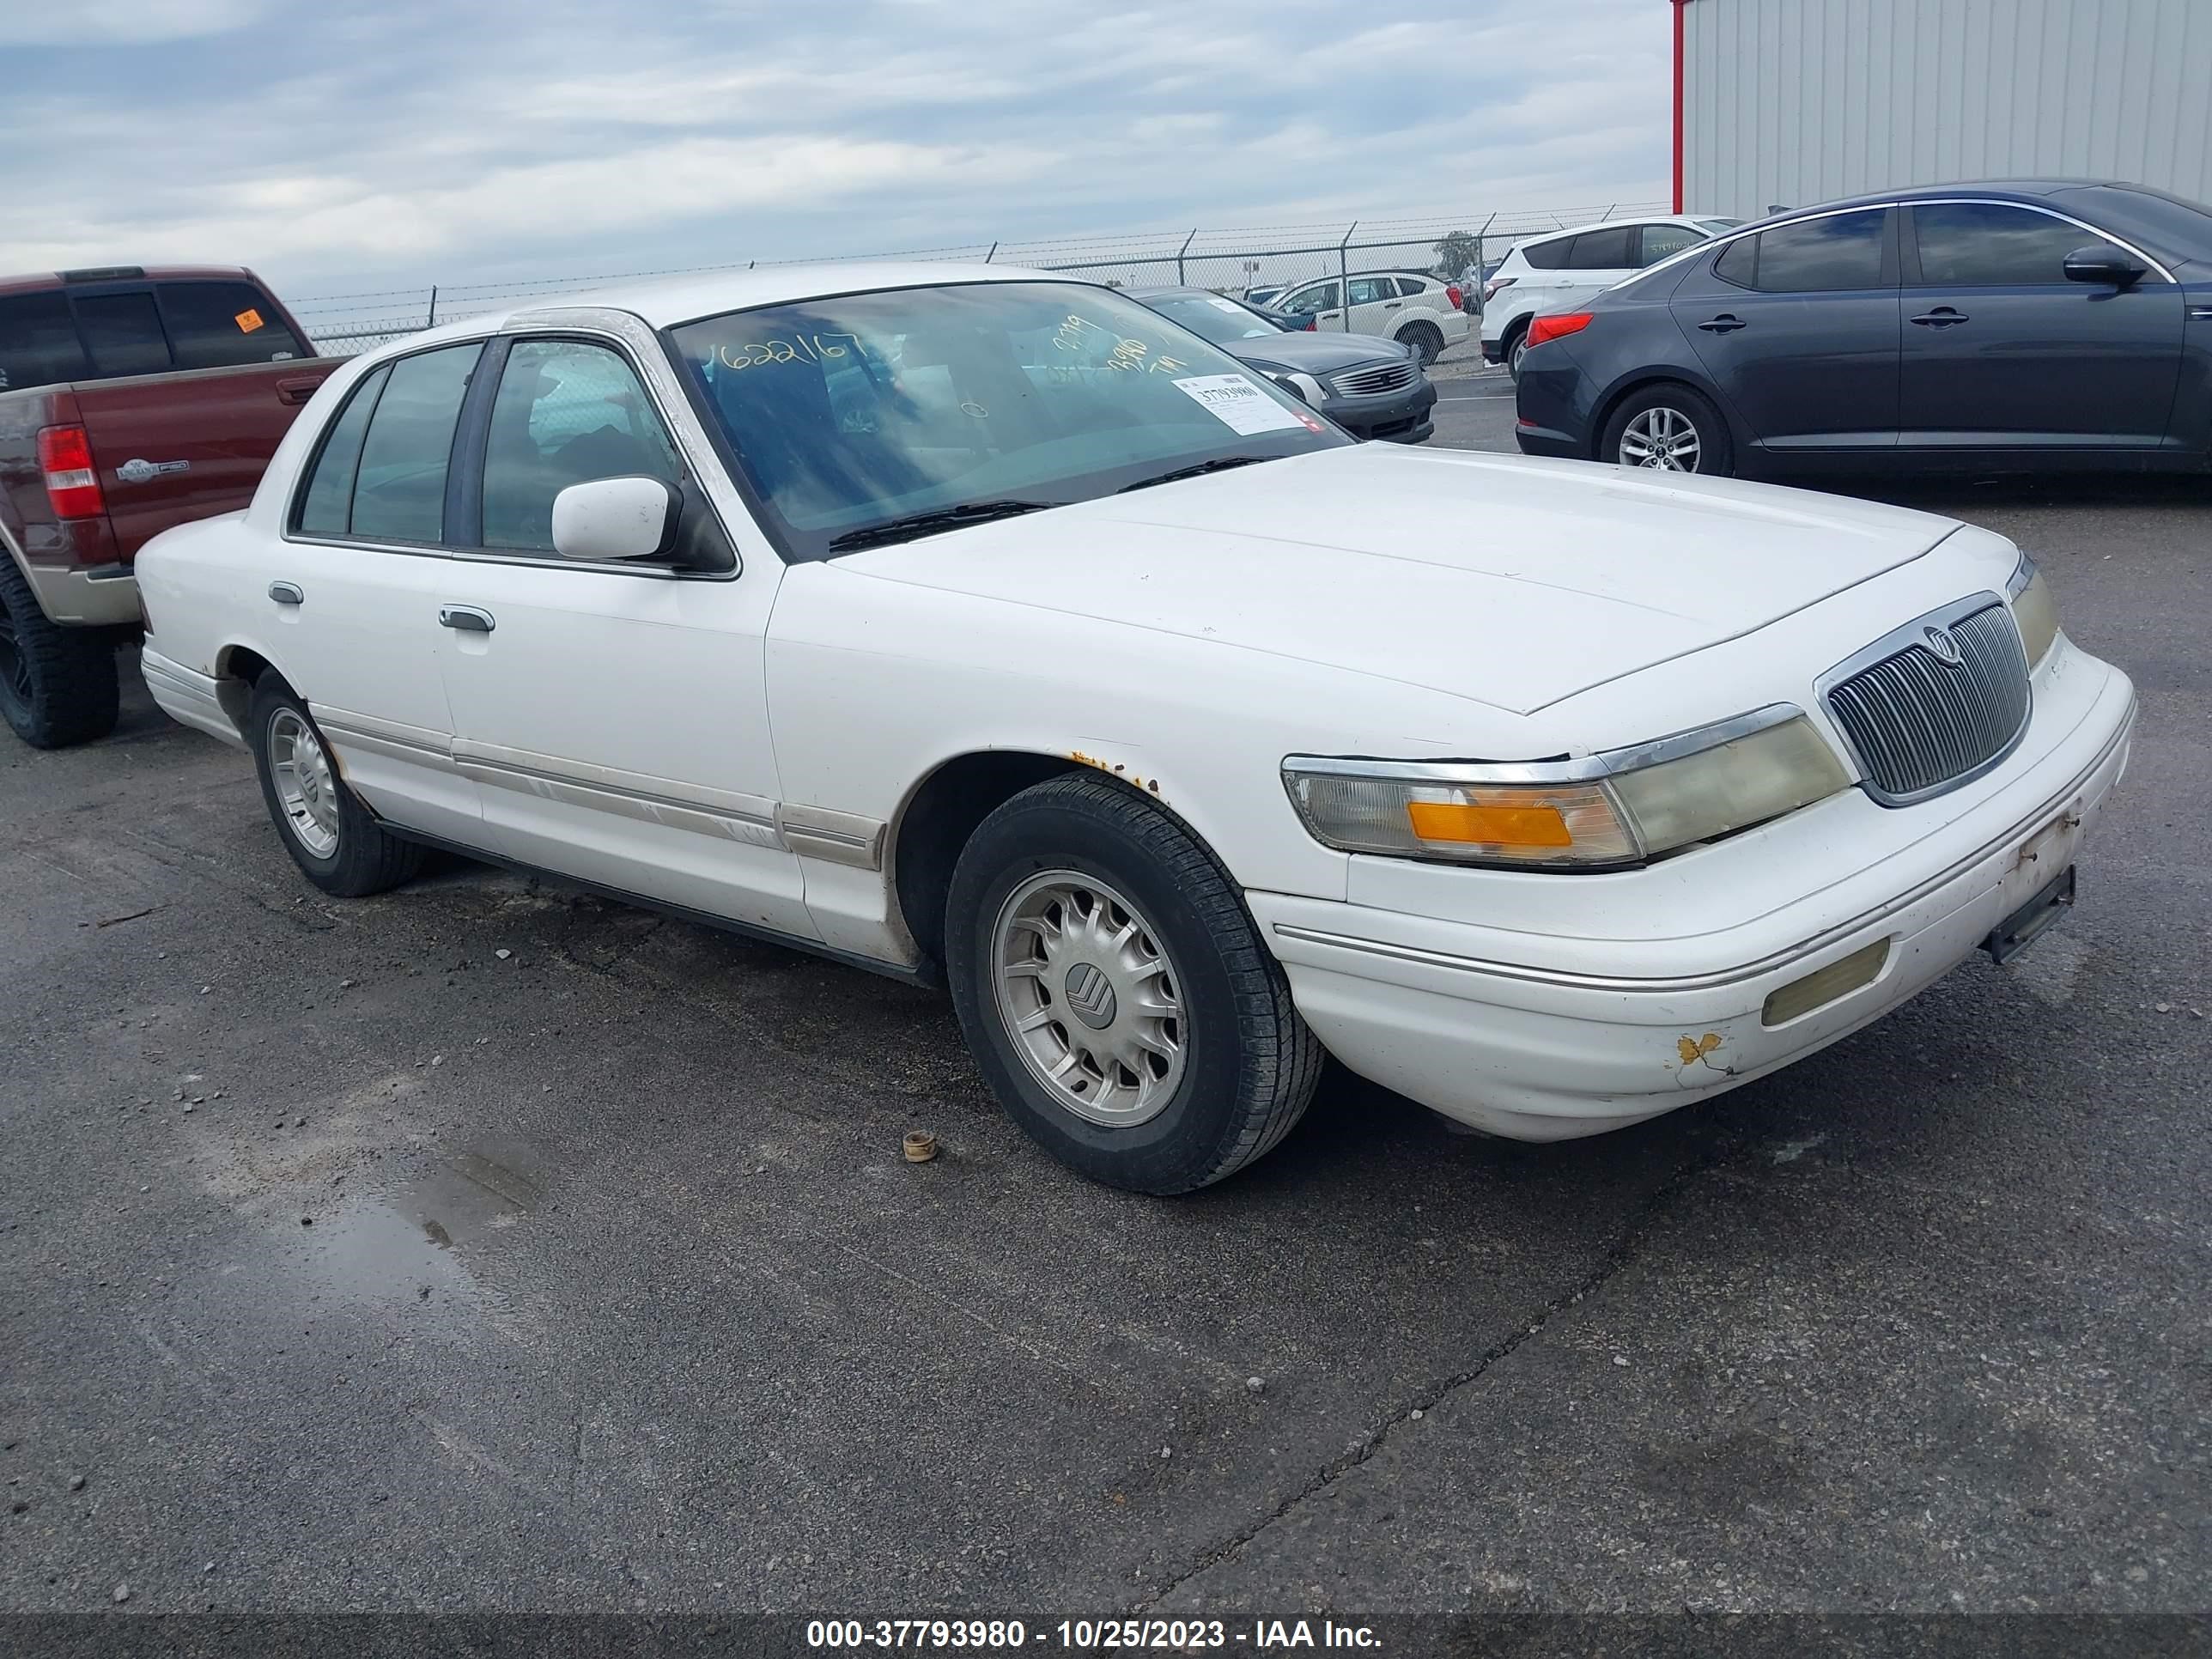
{"type": "Point", "coordinates": [1696, 221]}
{"type": "Point", "coordinates": [36, 281]}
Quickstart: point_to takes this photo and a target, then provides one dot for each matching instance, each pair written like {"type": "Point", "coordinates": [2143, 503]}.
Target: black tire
{"type": "Point", "coordinates": [1515, 346]}
{"type": "Point", "coordinates": [1250, 1063]}
{"type": "Point", "coordinates": [1426, 339]}
{"type": "Point", "coordinates": [1716, 452]}
{"type": "Point", "coordinates": [57, 685]}
{"type": "Point", "coordinates": [367, 857]}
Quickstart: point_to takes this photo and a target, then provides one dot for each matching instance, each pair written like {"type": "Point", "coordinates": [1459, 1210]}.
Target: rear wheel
{"type": "Point", "coordinates": [1115, 991]}
{"type": "Point", "coordinates": [335, 840]}
{"type": "Point", "coordinates": [1669, 429]}
{"type": "Point", "coordinates": [57, 685]}
{"type": "Point", "coordinates": [1426, 339]}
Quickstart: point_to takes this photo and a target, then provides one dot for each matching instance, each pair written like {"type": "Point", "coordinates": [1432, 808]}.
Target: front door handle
{"type": "Point", "coordinates": [286, 593]}
{"type": "Point", "coordinates": [1942, 317]}
{"type": "Point", "coordinates": [1726, 323]}
{"type": "Point", "coordinates": [465, 617]}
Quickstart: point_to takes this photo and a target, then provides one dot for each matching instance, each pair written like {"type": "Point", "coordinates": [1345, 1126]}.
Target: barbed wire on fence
{"type": "Point", "coordinates": [1230, 258]}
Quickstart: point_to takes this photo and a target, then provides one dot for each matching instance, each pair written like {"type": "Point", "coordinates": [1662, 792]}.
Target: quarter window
{"type": "Point", "coordinates": [400, 493]}
{"type": "Point", "coordinates": [567, 413]}
{"type": "Point", "coordinates": [1814, 256]}
{"type": "Point", "coordinates": [1548, 256]}
{"type": "Point", "coordinates": [327, 507]}
{"type": "Point", "coordinates": [1971, 244]}
{"type": "Point", "coordinates": [222, 325]}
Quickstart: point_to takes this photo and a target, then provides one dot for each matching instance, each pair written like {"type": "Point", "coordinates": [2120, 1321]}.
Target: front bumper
{"type": "Point", "coordinates": [1550, 1050]}
{"type": "Point", "coordinates": [1401, 417]}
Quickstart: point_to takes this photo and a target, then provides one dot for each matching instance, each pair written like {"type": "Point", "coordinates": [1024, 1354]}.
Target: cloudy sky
{"type": "Point", "coordinates": [340, 146]}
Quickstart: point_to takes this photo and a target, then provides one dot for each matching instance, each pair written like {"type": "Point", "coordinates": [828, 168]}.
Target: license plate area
{"type": "Point", "coordinates": [2024, 926]}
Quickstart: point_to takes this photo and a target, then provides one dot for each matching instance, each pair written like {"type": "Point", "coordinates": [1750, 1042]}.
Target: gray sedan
{"type": "Point", "coordinates": [1371, 387]}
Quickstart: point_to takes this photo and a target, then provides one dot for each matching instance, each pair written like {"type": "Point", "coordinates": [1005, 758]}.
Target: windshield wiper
{"type": "Point", "coordinates": [1218, 463]}
{"type": "Point", "coordinates": [943, 518]}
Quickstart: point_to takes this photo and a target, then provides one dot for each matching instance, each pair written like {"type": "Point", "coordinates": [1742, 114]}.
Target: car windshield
{"type": "Point", "coordinates": [1211, 316]}
{"type": "Point", "coordinates": [867, 417]}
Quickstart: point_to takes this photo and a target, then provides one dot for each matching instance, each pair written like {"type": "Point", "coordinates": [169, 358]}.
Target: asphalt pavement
{"type": "Point", "coordinates": [489, 1246]}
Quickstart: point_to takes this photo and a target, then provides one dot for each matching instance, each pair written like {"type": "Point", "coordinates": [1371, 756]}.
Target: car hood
{"type": "Point", "coordinates": [1511, 582]}
{"type": "Point", "coordinates": [1318, 354]}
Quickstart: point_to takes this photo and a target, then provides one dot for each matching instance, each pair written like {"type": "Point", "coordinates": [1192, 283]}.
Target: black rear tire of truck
{"type": "Point", "coordinates": [57, 685]}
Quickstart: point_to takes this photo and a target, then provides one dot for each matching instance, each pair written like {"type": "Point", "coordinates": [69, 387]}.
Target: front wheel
{"type": "Point", "coordinates": [335, 840]}
{"type": "Point", "coordinates": [1117, 993]}
{"type": "Point", "coordinates": [1669, 429]}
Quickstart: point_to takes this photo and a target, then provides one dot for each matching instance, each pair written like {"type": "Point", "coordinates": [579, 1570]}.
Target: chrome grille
{"type": "Point", "coordinates": [1372, 382]}
{"type": "Point", "coordinates": [1920, 724]}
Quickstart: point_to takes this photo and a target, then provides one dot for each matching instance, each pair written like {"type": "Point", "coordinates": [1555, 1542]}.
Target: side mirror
{"type": "Point", "coordinates": [615, 519]}
{"type": "Point", "coordinates": [2100, 262]}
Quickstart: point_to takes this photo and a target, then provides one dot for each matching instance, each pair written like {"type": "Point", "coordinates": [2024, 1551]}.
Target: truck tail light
{"type": "Point", "coordinates": [72, 485]}
{"type": "Point", "coordinates": [1558, 324]}
{"type": "Point", "coordinates": [1458, 299]}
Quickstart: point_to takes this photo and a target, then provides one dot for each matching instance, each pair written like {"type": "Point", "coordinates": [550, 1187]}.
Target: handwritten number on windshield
{"type": "Point", "coordinates": [805, 347]}
{"type": "Point", "coordinates": [1081, 334]}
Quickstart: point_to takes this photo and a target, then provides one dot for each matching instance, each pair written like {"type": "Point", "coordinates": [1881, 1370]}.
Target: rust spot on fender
{"type": "Point", "coordinates": [1693, 1050]}
{"type": "Point", "coordinates": [1115, 768]}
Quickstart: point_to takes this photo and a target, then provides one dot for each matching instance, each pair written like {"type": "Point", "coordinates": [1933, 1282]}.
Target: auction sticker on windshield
{"type": "Point", "coordinates": [1239, 404]}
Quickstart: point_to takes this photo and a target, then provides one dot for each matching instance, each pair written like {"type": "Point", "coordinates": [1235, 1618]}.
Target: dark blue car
{"type": "Point", "coordinates": [2032, 325]}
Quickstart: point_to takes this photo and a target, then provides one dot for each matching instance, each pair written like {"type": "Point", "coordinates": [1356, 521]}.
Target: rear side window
{"type": "Point", "coordinates": [400, 495]}
{"type": "Point", "coordinates": [123, 333]}
{"type": "Point", "coordinates": [1814, 256]}
{"type": "Point", "coordinates": [1603, 249]}
{"type": "Point", "coordinates": [1368, 290]}
{"type": "Point", "coordinates": [1409, 285]}
{"type": "Point", "coordinates": [38, 342]}
{"type": "Point", "coordinates": [1548, 256]}
{"type": "Point", "coordinates": [222, 324]}
{"type": "Point", "coordinates": [327, 507]}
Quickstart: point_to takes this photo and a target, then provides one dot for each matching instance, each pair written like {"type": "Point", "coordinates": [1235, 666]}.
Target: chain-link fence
{"type": "Point", "coordinates": [1231, 261]}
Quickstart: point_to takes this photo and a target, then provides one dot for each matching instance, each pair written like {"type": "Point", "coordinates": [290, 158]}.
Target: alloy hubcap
{"type": "Point", "coordinates": [1090, 997]}
{"type": "Point", "coordinates": [1661, 437]}
{"type": "Point", "coordinates": [306, 788]}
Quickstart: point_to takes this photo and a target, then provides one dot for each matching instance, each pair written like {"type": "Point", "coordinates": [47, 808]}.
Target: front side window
{"type": "Point", "coordinates": [871, 418]}
{"type": "Point", "coordinates": [1322, 297]}
{"type": "Point", "coordinates": [123, 333]}
{"type": "Point", "coordinates": [223, 324]}
{"type": "Point", "coordinates": [1663, 242]}
{"type": "Point", "coordinates": [1972, 244]}
{"type": "Point", "coordinates": [1603, 249]}
{"type": "Point", "coordinates": [1839, 251]}
{"type": "Point", "coordinates": [400, 493]}
{"type": "Point", "coordinates": [567, 413]}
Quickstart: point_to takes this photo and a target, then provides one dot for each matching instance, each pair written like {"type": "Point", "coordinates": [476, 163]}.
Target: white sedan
{"type": "Point", "coordinates": [983, 628]}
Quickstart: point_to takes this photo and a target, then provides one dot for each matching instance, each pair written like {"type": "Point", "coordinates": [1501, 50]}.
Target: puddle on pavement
{"type": "Point", "coordinates": [408, 1241]}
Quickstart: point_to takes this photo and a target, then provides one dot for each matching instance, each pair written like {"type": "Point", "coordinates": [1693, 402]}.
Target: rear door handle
{"type": "Point", "coordinates": [295, 392]}
{"type": "Point", "coordinates": [1942, 317]}
{"type": "Point", "coordinates": [286, 593]}
{"type": "Point", "coordinates": [1393, 305]}
{"type": "Point", "coordinates": [465, 617]}
{"type": "Point", "coordinates": [1724, 323]}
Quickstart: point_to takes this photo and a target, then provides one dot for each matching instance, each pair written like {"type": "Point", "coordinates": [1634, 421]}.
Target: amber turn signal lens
{"type": "Point", "coordinates": [1494, 826]}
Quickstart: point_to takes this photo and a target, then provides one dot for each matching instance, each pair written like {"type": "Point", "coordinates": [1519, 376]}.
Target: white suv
{"type": "Point", "coordinates": [1415, 308]}
{"type": "Point", "coordinates": [1551, 272]}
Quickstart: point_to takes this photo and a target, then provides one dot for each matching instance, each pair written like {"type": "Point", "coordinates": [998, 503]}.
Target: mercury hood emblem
{"type": "Point", "coordinates": [1940, 641]}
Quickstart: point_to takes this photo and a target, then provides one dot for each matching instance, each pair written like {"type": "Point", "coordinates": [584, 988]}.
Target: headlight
{"type": "Point", "coordinates": [2033, 610]}
{"type": "Point", "coordinates": [1616, 808]}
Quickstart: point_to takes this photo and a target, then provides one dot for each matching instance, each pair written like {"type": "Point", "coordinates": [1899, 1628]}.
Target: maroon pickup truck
{"type": "Point", "coordinates": [130, 399]}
